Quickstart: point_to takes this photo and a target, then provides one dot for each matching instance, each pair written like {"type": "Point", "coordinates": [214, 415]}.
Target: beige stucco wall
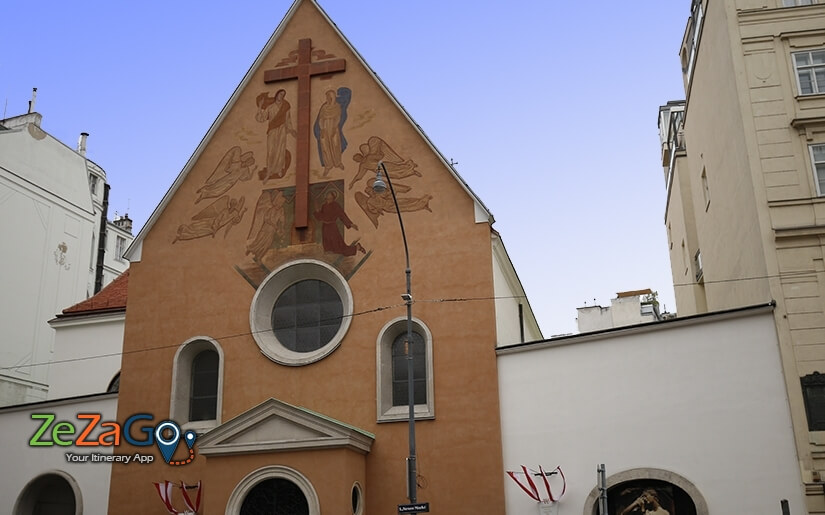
{"type": "Point", "coordinates": [762, 234]}
{"type": "Point", "coordinates": [191, 287]}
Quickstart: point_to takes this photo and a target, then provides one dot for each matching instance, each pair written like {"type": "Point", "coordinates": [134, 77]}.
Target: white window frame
{"type": "Point", "coordinates": [182, 383]}
{"type": "Point", "coordinates": [386, 412]}
{"type": "Point", "coordinates": [819, 89]}
{"type": "Point", "coordinates": [817, 180]}
{"type": "Point", "coordinates": [260, 313]}
{"type": "Point", "coordinates": [796, 3]}
{"type": "Point", "coordinates": [120, 247]}
{"type": "Point", "coordinates": [93, 180]}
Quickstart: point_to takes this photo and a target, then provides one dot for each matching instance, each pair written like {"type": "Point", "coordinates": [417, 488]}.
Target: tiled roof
{"type": "Point", "coordinates": [110, 298]}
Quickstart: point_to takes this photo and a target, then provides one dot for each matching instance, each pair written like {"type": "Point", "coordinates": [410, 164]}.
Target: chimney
{"type": "Point", "coordinates": [81, 143]}
{"type": "Point", "coordinates": [31, 102]}
{"type": "Point", "coordinates": [124, 222]}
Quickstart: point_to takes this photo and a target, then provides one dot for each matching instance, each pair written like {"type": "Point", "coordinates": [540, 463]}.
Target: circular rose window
{"type": "Point", "coordinates": [301, 312]}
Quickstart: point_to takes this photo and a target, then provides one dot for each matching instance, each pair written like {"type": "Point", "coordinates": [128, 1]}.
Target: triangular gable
{"type": "Point", "coordinates": [275, 426]}
{"type": "Point", "coordinates": [133, 253]}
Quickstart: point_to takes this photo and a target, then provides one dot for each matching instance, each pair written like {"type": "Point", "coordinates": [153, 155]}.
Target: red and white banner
{"type": "Point", "coordinates": [165, 492]}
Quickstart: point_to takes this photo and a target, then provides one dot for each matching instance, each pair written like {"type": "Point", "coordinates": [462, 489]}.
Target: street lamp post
{"type": "Point", "coordinates": [379, 186]}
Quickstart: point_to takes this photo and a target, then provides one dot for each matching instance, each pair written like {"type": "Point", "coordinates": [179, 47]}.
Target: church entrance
{"type": "Point", "coordinates": [275, 496]}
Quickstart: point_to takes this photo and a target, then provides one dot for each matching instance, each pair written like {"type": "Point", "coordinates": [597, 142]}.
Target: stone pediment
{"type": "Point", "coordinates": [275, 426]}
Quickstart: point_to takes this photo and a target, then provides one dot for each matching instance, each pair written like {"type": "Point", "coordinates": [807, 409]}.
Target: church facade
{"type": "Point", "coordinates": [265, 310]}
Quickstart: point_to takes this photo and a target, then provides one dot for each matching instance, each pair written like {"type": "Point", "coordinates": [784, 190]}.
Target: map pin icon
{"type": "Point", "coordinates": [189, 438]}
{"type": "Point", "coordinates": [167, 447]}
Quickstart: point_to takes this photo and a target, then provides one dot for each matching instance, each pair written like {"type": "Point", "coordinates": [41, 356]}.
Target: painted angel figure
{"type": "Point", "coordinates": [328, 128]}
{"type": "Point", "coordinates": [268, 224]}
{"type": "Point", "coordinates": [376, 204]}
{"type": "Point", "coordinates": [233, 167]}
{"type": "Point", "coordinates": [224, 212]}
{"type": "Point", "coordinates": [376, 150]}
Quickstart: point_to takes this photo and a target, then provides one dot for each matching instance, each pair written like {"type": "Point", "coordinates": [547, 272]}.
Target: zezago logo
{"type": "Point", "coordinates": [167, 434]}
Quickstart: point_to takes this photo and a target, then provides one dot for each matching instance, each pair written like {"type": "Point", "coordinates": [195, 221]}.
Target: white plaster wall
{"type": "Point", "coordinates": [86, 354]}
{"type": "Point", "coordinates": [593, 318]}
{"type": "Point", "coordinates": [507, 292]}
{"type": "Point", "coordinates": [46, 221]}
{"type": "Point", "coordinates": [626, 311]}
{"type": "Point", "coordinates": [22, 463]}
{"type": "Point", "coordinates": [706, 401]}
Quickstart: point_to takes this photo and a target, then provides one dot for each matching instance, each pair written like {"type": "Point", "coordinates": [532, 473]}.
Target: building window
{"type": "Point", "coordinates": [697, 265]}
{"type": "Point", "coordinates": [93, 180]}
{"type": "Point", "coordinates": [813, 393]}
{"type": "Point", "coordinates": [810, 71]}
{"type": "Point", "coordinates": [120, 248]}
{"type": "Point", "coordinates": [203, 392]}
{"type": "Point", "coordinates": [690, 51]}
{"type": "Point", "coordinates": [197, 384]}
{"type": "Point", "coordinates": [391, 366]}
{"type": "Point", "coordinates": [793, 3]}
{"type": "Point", "coordinates": [705, 188]}
{"type": "Point", "coordinates": [307, 315]}
{"type": "Point", "coordinates": [400, 369]}
{"type": "Point", "coordinates": [301, 312]}
{"type": "Point", "coordinates": [818, 160]}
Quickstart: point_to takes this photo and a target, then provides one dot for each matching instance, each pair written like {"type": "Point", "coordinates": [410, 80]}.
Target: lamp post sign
{"type": "Point", "coordinates": [419, 507]}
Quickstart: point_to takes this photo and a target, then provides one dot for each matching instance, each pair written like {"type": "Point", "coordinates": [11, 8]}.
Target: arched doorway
{"type": "Point", "coordinates": [275, 496]}
{"type": "Point", "coordinates": [275, 489]}
{"type": "Point", "coordinates": [645, 491]}
{"type": "Point", "coordinates": [649, 496]}
{"type": "Point", "coordinates": [55, 493]}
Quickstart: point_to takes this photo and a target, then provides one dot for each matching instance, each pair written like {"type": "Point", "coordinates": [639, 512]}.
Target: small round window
{"type": "Point", "coordinates": [301, 312]}
{"type": "Point", "coordinates": [307, 315]}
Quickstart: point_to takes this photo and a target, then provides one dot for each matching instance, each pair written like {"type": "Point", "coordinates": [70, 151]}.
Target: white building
{"type": "Point", "coordinates": [628, 308]}
{"type": "Point", "coordinates": [53, 202]}
{"type": "Point", "coordinates": [693, 411]}
{"type": "Point", "coordinates": [84, 379]}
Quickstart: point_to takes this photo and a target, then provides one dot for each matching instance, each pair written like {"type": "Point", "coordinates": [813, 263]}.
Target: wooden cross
{"type": "Point", "coordinates": [303, 71]}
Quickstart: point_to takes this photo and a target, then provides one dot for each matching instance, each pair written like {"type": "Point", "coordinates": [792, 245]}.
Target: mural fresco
{"type": "Point", "coordinates": [375, 150]}
{"type": "Point", "coordinates": [331, 214]}
{"type": "Point", "coordinates": [270, 225]}
{"type": "Point", "coordinates": [303, 69]}
{"type": "Point", "coordinates": [376, 204]}
{"type": "Point", "coordinates": [328, 128]}
{"type": "Point", "coordinates": [224, 212]}
{"type": "Point", "coordinates": [274, 111]}
{"type": "Point", "coordinates": [233, 167]}
{"type": "Point", "coordinates": [295, 218]}
{"type": "Point", "coordinates": [271, 240]}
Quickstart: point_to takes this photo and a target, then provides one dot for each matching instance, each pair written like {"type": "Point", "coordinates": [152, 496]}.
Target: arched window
{"type": "Point", "coordinates": [400, 376]}
{"type": "Point", "coordinates": [391, 363]}
{"type": "Point", "coordinates": [197, 384]}
{"type": "Point", "coordinates": [203, 393]}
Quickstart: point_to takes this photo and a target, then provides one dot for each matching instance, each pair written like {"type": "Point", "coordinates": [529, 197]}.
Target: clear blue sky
{"type": "Point", "coordinates": [563, 148]}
